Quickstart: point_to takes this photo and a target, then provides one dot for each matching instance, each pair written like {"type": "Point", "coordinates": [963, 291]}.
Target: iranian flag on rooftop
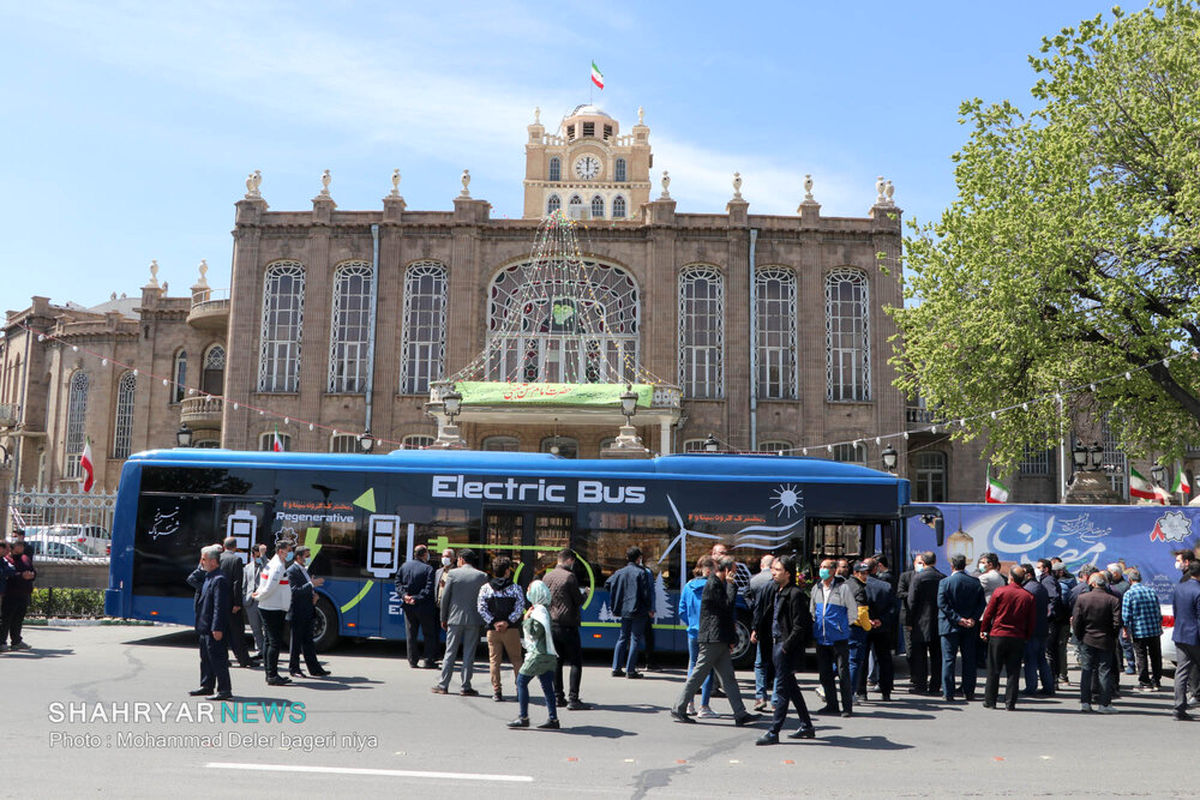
{"type": "Point", "coordinates": [597, 76]}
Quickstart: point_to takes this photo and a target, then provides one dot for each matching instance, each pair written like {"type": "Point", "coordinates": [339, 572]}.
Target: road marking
{"type": "Point", "coordinates": [386, 773]}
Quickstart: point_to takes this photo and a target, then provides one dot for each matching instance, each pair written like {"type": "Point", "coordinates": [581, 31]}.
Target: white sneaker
{"type": "Point", "coordinates": [1085, 707]}
{"type": "Point", "coordinates": [820, 691]}
{"type": "Point", "coordinates": [1107, 710]}
{"type": "Point", "coordinates": [691, 709]}
{"type": "Point", "coordinates": [707, 713]}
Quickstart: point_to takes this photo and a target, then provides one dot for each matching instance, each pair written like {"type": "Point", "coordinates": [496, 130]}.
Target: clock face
{"type": "Point", "coordinates": [587, 167]}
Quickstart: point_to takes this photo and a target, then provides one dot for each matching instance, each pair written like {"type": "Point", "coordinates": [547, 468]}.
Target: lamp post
{"type": "Point", "coordinates": [366, 442]}
{"type": "Point", "coordinates": [184, 435]}
{"type": "Point", "coordinates": [1079, 456]}
{"type": "Point", "coordinates": [627, 444]}
{"type": "Point", "coordinates": [448, 437]}
{"type": "Point", "coordinates": [711, 445]}
{"type": "Point", "coordinates": [889, 456]}
{"type": "Point", "coordinates": [1097, 454]}
{"type": "Point", "coordinates": [1158, 474]}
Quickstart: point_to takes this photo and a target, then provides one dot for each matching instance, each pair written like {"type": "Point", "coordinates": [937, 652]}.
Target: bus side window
{"type": "Point", "coordinates": [603, 538]}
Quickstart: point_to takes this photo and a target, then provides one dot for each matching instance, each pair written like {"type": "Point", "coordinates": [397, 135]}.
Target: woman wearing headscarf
{"type": "Point", "coordinates": [540, 658]}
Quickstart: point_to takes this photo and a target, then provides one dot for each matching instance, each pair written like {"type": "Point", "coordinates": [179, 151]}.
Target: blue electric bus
{"type": "Point", "coordinates": [362, 515]}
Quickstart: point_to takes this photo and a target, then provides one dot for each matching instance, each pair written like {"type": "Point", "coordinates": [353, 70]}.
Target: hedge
{"type": "Point", "coordinates": [67, 603]}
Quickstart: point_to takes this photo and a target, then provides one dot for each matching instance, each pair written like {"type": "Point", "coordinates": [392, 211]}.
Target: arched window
{"type": "Point", "coordinates": [929, 477]}
{"type": "Point", "coordinates": [282, 325]}
{"type": "Point", "coordinates": [555, 169]}
{"type": "Point", "coordinates": [543, 326]}
{"type": "Point", "coordinates": [575, 207]}
{"type": "Point", "coordinates": [123, 424]}
{"type": "Point", "coordinates": [618, 207]}
{"type": "Point", "coordinates": [597, 207]}
{"type": "Point", "coordinates": [502, 444]}
{"type": "Point", "coordinates": [775, 301]}
{"type": "Point", "coordinates": [619, 171]}
{"type": "Point", "coordinates": [561, 446]}
{"type": "Point", "coordinates": [349, 328]}
{"type": "Point", "coordinates": [701, 332]}
{"type": "Point", "coordinates": [553, 204]}
{"type": "Point", "coordinates": [780, 446]}
{"type": "Point", "coordinates": [77, 399]}
{"type": "Point", "coordinates": [850, 453]}
{"type": "Point", "coordinates": [417, 441]}
{"type": "Point", "coordinates": [343, 443]}
{"type": "Point", "coordinates": [266, 441]}
{"type": "Point", "coordinates": [179, 375]}
{"type": "Point", "coordinates": [847, 336]}
{"type": "Point", "coordinates": [423, 341]}
{"type": "Point", "coordinates": [212, 377]}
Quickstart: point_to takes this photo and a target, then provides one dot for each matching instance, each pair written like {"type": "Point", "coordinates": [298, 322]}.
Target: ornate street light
{"type": "Point", "coordinates": [889, 457]}
{"type": "Point", "coordinates": [452, 404]}
{"type": "Point", "coordinates": [629, 404]}
{"type": "Point", "coordinates": [1079, 456]}
{"type": "Point", "coordinates": [448, 437]}
{"type": "Point", "coordinates": [184, 436]}
{"type": "Point", "coordinates": [1158, 473]}
{"type": "Point", "coordinates": [627, 444]}
{"type": "Point", "coordinates": [1097, 453]}
{"type": "Point", "coordinates": [366, 442]}
{"type": "Point", "coordinates": [711, 445]}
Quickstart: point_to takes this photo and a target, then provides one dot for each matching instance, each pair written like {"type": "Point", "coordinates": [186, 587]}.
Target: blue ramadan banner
{"type": "Point", "coordinates": [1144, 536]}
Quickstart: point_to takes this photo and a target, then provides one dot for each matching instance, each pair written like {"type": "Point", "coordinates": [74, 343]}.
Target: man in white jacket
{"type": "Point", "coordinates": [274, 598]}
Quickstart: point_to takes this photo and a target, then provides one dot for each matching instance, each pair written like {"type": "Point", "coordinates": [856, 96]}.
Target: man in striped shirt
{"type": "Point", "coordinates": [1143, 624]}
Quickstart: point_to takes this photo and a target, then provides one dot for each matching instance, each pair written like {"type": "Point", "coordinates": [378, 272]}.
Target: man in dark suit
{"type": "Point", "coordinates": [790, 622]}
{"type": "Point", "coordinates": [960, 603]}
{"type": "Point", "coordinates": [212, 621]}
{"type": "Point", "coordinates": [760, 596]}
{"type": "Point", "coordinates": [304, 599]}
{"type": "Point", "coordinates": [884, 611]}
{"type": "Point", "coordinates": [1186, 636]}
{"type": "Point", "coordinates": [1036, 663]}
{"type": "Point", "coordinates": [234, 569]}
{"type": "Point", "coordinates": [415, 586]}
{"type": "Point", "coordinates": [926, 657]}
{"type": "Point", "coordinates": [631, 602]}
{"type": "Point", "coordinates": [902, 585]}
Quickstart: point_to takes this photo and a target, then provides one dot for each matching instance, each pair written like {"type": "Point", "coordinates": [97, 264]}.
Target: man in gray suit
{"type": "Point", "coordinates": [461, 620]}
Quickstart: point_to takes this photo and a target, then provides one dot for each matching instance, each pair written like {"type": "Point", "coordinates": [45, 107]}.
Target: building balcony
{"type": "Point", "coordinates": [210, 310]}
{"type": "Point", "coordinates": [10, 414]}
{"type": "Point", "coordinates": [202, 413]}
{"type": "Point", "coordinates": [919, 415]}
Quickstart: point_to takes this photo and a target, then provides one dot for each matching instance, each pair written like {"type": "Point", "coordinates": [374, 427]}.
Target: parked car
{"type": "Point", "coordinates": [93, 539]}
{"type": "Point", "coordinates": [56, 548]}
{"type": "Point", "coordinates": [1168, 644]}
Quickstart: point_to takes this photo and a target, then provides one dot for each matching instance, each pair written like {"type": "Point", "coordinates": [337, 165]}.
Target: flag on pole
{"type": "Point", "coordinates": [597, 76]}
{"type": "Point", "coordinates": [1161, 495]}
{"type": "Point", "coordinates": [1181, 485]}
{"type": "Point", "coordinates": [996, 491]}
{"type": "Point", "coordinates": [85, 463]}
{"type": "Point", "coordinates": [277, 444]}
{"type": "Point", "coordinates": [1139, 487]}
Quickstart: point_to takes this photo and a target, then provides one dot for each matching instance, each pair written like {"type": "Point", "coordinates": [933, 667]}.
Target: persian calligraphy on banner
{"type": "Point", "coordinates": [485, 393]}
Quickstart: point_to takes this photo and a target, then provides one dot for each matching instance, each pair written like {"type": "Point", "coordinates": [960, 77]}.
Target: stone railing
{"type": "Point", "coordinates": [201, 413]}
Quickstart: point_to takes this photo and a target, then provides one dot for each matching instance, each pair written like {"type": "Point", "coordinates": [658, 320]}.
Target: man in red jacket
{"type": "Point", "coordinates": [1007, 624]}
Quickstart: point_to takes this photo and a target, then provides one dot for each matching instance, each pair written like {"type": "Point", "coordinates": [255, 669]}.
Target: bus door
{"type": "Point", "coordinates": [893, 544]}
{"type": "Point", "coordinates": [834, 538]}
{"type": "Point", "coordinates": [531, 537]}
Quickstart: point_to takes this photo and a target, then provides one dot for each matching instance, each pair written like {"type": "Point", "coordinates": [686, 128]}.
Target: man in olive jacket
{"type": "Point", "coordinates": [789, 628]}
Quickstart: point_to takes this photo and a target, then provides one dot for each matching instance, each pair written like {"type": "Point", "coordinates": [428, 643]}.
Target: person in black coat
{"type": "Point", "coordinates": [1036, 664]}
{"type": "Point", "coordinates": [760, 596]}
{"type": "Point", "coordinates": [233, 568]}
{"type": "Point", "coordinates": [790, 627]}
{"type": "Point", "coordinates": [961, 603]}
{"type": "Point", "coordinates": [212, 624]}
{"type": "Point", "coordinates": [415, 586]}
{"type": "Point", "coordinates": [884, 610]}
{"type": "Point", "coordinates": [630, 601]}
{"type": "Point", "coordinates": [925, 659]}
{"type": "Point", "coordinates": [304, 599]}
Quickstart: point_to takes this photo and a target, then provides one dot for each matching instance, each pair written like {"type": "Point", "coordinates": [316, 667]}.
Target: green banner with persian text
{"type": "Point", "coordinates": [490, 393]}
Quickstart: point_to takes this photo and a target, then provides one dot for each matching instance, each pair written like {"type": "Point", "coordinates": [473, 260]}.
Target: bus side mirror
{"type": "Point", "coordinates": [938, 523]}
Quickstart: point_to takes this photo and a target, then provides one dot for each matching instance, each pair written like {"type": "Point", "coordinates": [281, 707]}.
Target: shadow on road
{"type": "Point", "coordinates": [597, 731]}
{"type": "Point", "coordinates": [185, 638]}
{"type": "Point", "coordinates": [860, 742]}
{"type": "Point", "coordinates": [37, 652]}
{"type": "Point", "coordinates": [629, 709]}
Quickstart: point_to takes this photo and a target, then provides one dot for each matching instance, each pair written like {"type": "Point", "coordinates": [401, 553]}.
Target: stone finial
{"type": "Point", "coordinates": [880, 185]}
{"type": "Point", "coordinates": [466, 182]}
{"type": "Point", "coordinates": [641, 116]}
{"type": "Point", "coordinates": [395, 183]}
{"type": "Point", "coordinates": [737, 186]}
{"type": "Point", "coordinates": [537, 115]}
{"type": "Point", "coordinates": [890, 191]}
{"type": "Point", "coordinates": [203, 282]}
{"type": "Point", "coordinates": [326, 179]}
{"type": "Point", "coordinates": [666, 184]}
{"type": "Point", "coordinates": [253, 182]}
{"type": "Point", "coordinates": [153, 273]}
{"type": "Point", "coordinates": [114, 296]}
{"type": "Point", "coordinates": [808, 186]}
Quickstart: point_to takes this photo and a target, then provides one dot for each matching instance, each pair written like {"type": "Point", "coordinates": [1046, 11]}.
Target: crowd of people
{"type": "Point", "coordinates": [1016, 624]}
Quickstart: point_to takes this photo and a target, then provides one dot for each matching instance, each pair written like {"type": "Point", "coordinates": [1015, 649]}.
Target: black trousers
{"type": "Point", "coordinates": [831, 657]}
{"type": "Point", "coordinates": [273, 632]}
{"type": "Point", "coordinates": [925, 664]}
{"type": "Point", "coordinates": [789, 691]}
{"type": "Point", "coordinates": [12, 617]}
{"type": "Point", "coordinates": [425, 622]}
{"type": "Point", "coordinates": [570, 651]}
{"type": "Point", "coordinates": [1148, 654]}
{"type": "Point", "coordinates": [879, 642]}
{"type": "Point", "coordinates": [236, 636]}
{"type": "Point", "coordinates": [1056, 647]}
{"type": "Point", "coordinates": [302, 642]}
{"type": "Point", "coordinates": [214, 663]}
{"type": "Point", "coordinates": [1004, 652]}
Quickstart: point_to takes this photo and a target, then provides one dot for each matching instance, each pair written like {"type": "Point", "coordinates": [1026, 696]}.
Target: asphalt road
{"type": "Point", "coordinates": [373, 727]}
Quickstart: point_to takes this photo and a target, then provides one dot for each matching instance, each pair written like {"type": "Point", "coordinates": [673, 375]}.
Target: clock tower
{"type": "Point", "coordinates": [587, 169]}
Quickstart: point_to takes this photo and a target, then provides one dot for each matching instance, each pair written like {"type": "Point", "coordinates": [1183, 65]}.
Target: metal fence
{"type": "Point", "coordinates": [66, 526]}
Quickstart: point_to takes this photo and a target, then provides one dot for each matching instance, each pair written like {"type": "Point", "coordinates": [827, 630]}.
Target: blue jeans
{"type": "Point", "coordinates": [547, 681]}
{"type": "Point", "coordinates": [631, 627]}
{"type": "Point", "coordinates": [1036, 665]}
{"type": "Point", "coordinates": [707, 687]}
{"type": "Point", "coordinates": [858, 654]}
{"type": "Point", "coordinates": [965, 641]}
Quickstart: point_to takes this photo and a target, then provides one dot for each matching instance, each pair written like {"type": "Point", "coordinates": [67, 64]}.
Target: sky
{"type": "Point", "coordinates": [130, 127]}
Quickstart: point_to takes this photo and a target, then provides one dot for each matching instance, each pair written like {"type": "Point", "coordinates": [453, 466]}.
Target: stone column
{"type": "Point", "coordinates": [6, 476]}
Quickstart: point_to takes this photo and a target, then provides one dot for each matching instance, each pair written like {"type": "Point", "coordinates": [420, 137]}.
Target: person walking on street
{"type": "Point", "coordinates": [415, 586]}
{"type": "Point", "coordinates": [630, 601]}
{"type": "Point", "coordinates": [689, 615]}
{"type": "Point", "coordinates": [233, 568]}
{"type": "Point", "coordinates": [1186, 636]}
{"type": "Point", "coordinates": [1142, 614]}
{"type": "Point", "coordinates": [501, 604]}
{"type": "Point", "coordinates": [274, 599]}
{"type": "Point", "coordinates": [212, 621]}
{"type": "Point", "coordinates": [789, 623]}
{"type": "Point", "coordinates": [1096, 623]}
{"type": "Point", "coordinates": [566, 605]}
{"type": "Point", "coordinates": [925, 660]}
{"type": "Point", "coordinates": [1008, 622]}
{"type": "Point", "coordinates": [832, 607]}
{"type": "Point", "coordinates": [540, 659]}
{"type": "Point", "coordinates": [760, 596]}
{"type": "Point", "coordinates": [716, 638]}
{"type": "Point", "coordinates": [960, 605]}
{"type": "Point", "coordinates": [304, 601]}
{"type": "Point", "coordinates": [461, 621]}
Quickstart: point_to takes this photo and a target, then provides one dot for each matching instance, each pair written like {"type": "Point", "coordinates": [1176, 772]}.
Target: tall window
{"type": "Point", "coordinates": [343, 443]}
{"type": "Point", "coordinates": [545, 325]}
{"type": "Point", "coordinates": [212, 378]}
{"type": "Point", "coordinates": [76, 420]}
{"type": "Point", "coordinates": [701, 332]}
{"type": "Point", "coordinates": [575, 207]}
{"type": "Point", "coordinates": [781, 446]}
{"type": "Point", "coordinates": [553, 204]}
{"type": "Point", "coordinates": [282, 324]}
{"type": "Point", "coordinates": [416, 441]}
{"type": "Point", "coordinates": [619, 171]}
{"type": "Point", "coordinates": [1036, 461]}
{"type": "Point", "coordinates": [850, 453]}
{"type": "Point", "coordinates": [598, 207]}
{"type": "Point", "coordinates": [929, 477]}
{"type": "Point", "coordinates": [349, 328]}
{"type": "Point", "coordinates": [503, 444]}
{"type": "Point", "coordinates": [775, 289]}
{"type": "Point", "coordinates": [618, 207]}
{"type": "Point", "coordinates": [179, 375]}
{"type": "Point", "coordinates": [555, 169]}
{"type": "Point", "coordinates": [423, 345]}
{"type": "Point", "coordinates": [1118, 476]}
{"type": "Point", "coordinates": [123, 425]}
{"type": "Point", "coordinates": [266, 441]}
{"type": "Point", "coordinates": [847, 342]}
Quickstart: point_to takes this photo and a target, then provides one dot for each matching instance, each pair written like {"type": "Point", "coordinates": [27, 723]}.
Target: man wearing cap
{"type": "Point", "coordinates": [960, 604]}
{"type": "Point", "coordinates": [861, 626]}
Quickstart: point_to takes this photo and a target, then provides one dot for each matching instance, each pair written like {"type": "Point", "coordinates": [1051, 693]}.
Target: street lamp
{"type": "Point", "coordinates": [451, 407]}
{"type": "Point", "coordinates": [889, 457]}
{"type": "Point", "coordinates": [1097, 453]}
{"type": "Point", "coordinates": [366, 442]}
{"type": "Point", "coordinates": [629, 404]}
{"type": "Point", "coordinates": [184, 435]}
{"type": "Point", "coordinates": [1158, 474]}
{"type": "Point", "coordinates": [711, 445]}
{"type": "Point", "coordinates": [452, 404]}
{"type": "Point", "coordinates": [1079, 456]}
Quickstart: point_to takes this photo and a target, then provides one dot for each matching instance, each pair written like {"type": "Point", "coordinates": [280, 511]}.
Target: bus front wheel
{"type": "Point", "coordinates": [325, 625]}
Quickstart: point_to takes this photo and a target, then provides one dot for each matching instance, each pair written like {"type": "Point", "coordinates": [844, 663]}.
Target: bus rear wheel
{"type": "Point", "coordinates": [325, 625]}
{"type": "Point", "coordinates": [743, 650]}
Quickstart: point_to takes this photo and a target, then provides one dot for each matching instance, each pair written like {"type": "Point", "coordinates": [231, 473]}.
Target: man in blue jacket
{"type": "Point", "coordinates": [415, 588]}
{"type": "Point", "coordinates": [833, 608]}
{"type": "Point", "coordinates": [212, 624]}
{"type": "Point", "coordinates": [960, 601]}
{"type": "Point", "coordinates": [630, 600]}
{"type": "Point", "coordinates": [1186, 636]}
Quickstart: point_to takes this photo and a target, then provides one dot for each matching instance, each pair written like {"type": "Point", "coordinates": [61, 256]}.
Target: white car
{"type": "Point", "coordinates": [51, 548]}
{"type": "Point", "coordinates": [1168, 644]}
{"type": "Point", "coordinates": [92, 539]}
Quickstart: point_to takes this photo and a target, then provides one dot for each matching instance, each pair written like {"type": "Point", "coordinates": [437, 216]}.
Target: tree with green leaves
{"type": "Point", "coordinates": [1072, 251]}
